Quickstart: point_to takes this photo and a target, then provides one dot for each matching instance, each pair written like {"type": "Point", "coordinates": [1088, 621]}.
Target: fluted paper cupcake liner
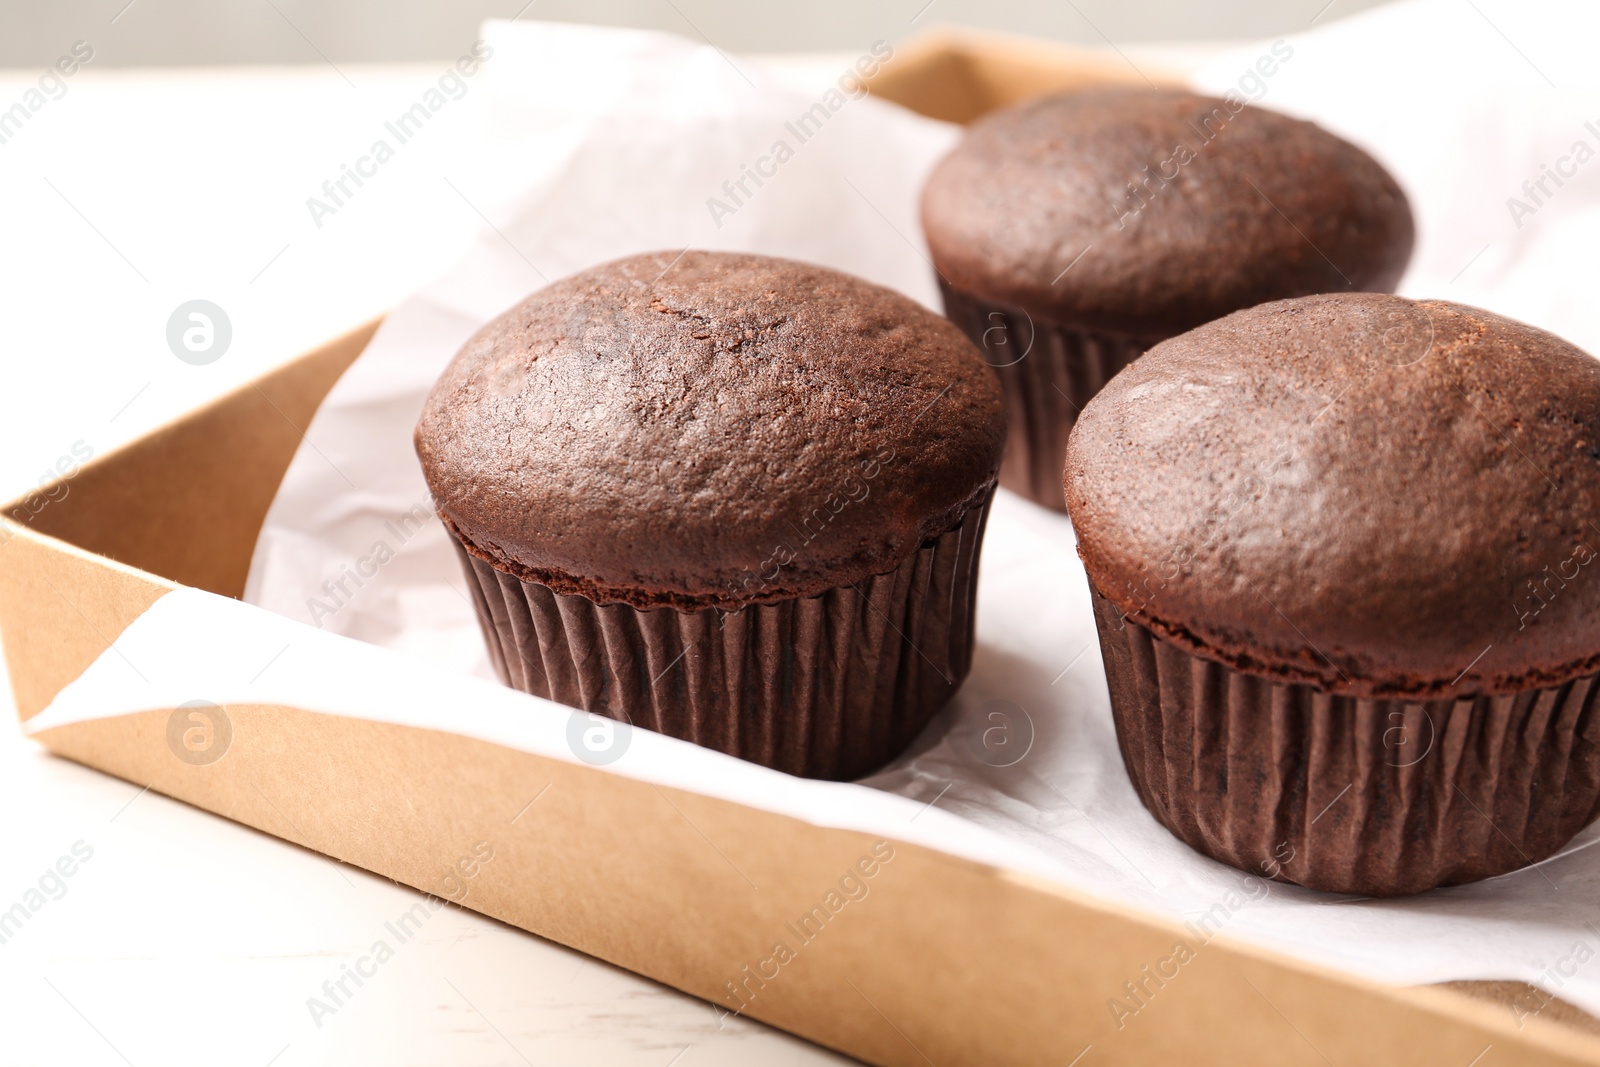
{"type": "Point", "coordinates": [830, 686]}
{"type": "Point", "coordinates": [1048, 371]}
{"type": "Point", "coordinates": [1347, 794]}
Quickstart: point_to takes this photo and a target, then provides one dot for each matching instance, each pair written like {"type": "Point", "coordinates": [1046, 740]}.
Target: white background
{"type": "Point", "coordinates": [165, 32]}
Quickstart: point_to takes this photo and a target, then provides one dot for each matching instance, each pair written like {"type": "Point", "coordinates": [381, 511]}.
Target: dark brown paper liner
{"type": "Point", "coordinates": [830, 686]}
{"type": "Point", "coordinates": [1045, 389]}
{"type": "Point", "coordinates": [1347, 794]}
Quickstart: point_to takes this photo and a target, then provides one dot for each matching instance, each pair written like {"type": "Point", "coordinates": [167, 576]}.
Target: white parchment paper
{"type": "Point", "coordinates": [603, 143]}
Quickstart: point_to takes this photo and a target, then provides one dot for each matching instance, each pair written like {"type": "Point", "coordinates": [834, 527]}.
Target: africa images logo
{"type": "Point", "coordinates": [199, 732]}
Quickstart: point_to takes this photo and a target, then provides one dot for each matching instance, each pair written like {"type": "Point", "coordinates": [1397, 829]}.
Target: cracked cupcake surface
{"type": "Point", "coordinates": [732, 498]}
{"type": "Point", "coordinates": [1378, 496]}
{"type": "Point", "coordinates": [657, 429]}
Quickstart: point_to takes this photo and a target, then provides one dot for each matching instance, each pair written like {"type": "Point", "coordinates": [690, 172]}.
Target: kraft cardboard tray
{"type": "Point", "coordinates": [945, 962]}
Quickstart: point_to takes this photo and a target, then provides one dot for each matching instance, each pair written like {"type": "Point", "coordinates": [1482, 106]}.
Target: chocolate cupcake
{"type": "Point", "coordinates": [1072, 232]}
{"type": "Point", "coordinates": [730, 498]}
{"type": "Point", "coordinates": [1341, 551]}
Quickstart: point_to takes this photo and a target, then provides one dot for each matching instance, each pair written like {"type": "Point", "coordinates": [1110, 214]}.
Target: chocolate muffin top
{"type": "Point", "coordinates": [709, 430]}
{"type": "Point", "coordinates": [1182, 209]}
{"type": "Point", "coordinates": [1371, 495]}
